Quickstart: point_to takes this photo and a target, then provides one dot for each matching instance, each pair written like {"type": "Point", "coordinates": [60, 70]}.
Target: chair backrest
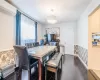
{"type": "Point", "coordinates": [41, 42]}
{"type": "Point", "coordinates": [53, 43]}
{"type": "Point", "coordinates": [23, 57]}
{"type": "Point", "coordinates": [29, 45]}
{"type": "Point", "coordinates": [36, 44]}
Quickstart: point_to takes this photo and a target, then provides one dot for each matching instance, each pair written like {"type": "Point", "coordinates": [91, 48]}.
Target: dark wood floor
{"type": "Point", "coordinates": [73, 69]}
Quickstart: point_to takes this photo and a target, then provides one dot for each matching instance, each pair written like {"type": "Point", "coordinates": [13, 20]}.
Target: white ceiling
{"type": "Point", "coordinates": [64, 10]}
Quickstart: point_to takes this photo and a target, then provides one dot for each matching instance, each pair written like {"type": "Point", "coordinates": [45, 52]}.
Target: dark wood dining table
{"type": "Point", "coordinates": [38, 53]}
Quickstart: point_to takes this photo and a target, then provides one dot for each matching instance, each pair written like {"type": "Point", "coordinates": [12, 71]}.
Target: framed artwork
{"type": "Point", "coordinates": [54, 30]}
{"type": "Point", "coordinates": [96, 39]}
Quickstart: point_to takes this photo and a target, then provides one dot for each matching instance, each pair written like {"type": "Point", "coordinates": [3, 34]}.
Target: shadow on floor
{"type": "Point", "coordinates": [73, 69]}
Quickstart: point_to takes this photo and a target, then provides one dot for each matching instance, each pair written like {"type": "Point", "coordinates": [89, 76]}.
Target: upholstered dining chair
{"type": "Point", "coordinates": [53, 43]}
{"type": "Point", "coordinates": [29, 45]}
{"type": "Point", "coordinates": [36, 44]}
{"type": "Point", "coordinates": [26, 62]}
{"type": "Point", "coordinates": [41, 42]}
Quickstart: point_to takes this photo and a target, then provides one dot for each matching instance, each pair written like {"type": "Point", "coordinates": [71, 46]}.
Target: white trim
{"type": "Point", "coordinates": [76, 55]}
{"type": "Point", "coordinates": [5, 7]}
{"type": "Point", "coordinates": [71, 54]}
{"type": "Point", "coordinates": [6, 49]}
{"type": "Point", "coordinates": [82, 62]}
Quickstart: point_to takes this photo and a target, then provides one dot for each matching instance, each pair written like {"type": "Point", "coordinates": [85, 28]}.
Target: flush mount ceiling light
{"type": "Point", "coordinates": [52, 19]}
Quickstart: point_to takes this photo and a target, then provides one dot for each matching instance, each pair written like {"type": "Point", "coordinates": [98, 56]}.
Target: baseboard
{"type": "Point", "coordinates": [83, 62]}
{"type": "Point", "coordinates": [7, 49]}
{"type": "Point", "coordinates": [71, 54]}
{"type": "Point", "coordinates": [79, 59]}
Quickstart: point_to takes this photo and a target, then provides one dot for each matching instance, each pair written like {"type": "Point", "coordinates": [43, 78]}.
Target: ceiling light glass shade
{"type": "Point", "coordinates": [51, 19]}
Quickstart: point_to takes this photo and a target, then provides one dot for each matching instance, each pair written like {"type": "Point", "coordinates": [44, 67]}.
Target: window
{"type": "Point", "coordinates": [27, 30]}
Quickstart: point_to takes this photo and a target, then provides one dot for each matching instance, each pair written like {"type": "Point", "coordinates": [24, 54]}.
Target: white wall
{"type": "Point", "coordinates": [7, 31]}
{"type": "Point", "coordinates": [82, 24]}
{"type": "Point", "coordinates": [7, 23]}
{"type": "Point", "coordinates": [67, 35]}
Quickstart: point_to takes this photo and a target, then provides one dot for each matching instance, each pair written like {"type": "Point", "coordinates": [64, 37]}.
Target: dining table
{"type": "Point", "coordinates": [39, 53]}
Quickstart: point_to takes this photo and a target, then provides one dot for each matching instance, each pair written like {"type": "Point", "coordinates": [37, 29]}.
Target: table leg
{"type": "Point", "coordinates": [40, 70]}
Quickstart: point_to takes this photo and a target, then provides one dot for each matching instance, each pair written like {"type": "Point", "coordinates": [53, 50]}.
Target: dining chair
{"type": "Point", "coordinates": [36, 44]}
{"type": "Point", "coordinates": [53, 43]}
{"type": "Point", "coordinates": [41, 42]}
{"type": "Point", "coordinates": [29, 45]}
{"type": "Point", "coordinates": [26, 62]}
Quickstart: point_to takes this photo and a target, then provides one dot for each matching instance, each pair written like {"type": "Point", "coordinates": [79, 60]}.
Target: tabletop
{"type": "Point", "coordinates": [40, 51]}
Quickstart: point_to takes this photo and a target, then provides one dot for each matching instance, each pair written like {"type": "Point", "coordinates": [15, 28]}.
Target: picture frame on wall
{"type": "Point", "coordinates": [96, 39]}
{"type": "Point", "coordinates": [54, 30]}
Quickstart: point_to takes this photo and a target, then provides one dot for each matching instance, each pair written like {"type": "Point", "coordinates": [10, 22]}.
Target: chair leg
{"type": "Point", "coordinates": [56, 77]}
{"type": "Point", "coordinates": [20, 74]}
{"type": "Point", "coordinates": [45, 73]}
{"type": "Point", "coordinates": [61, 63]}
{"type": "Point", "coordinates": [30, 76]}
{"type": "Point", "coordinates": [63, 58]}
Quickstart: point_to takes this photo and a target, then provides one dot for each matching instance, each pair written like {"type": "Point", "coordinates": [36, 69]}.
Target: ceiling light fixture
{"type": "Point", "coordinates": [52, 19]}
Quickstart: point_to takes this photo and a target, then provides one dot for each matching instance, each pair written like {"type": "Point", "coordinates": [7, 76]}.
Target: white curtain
{"type": "Point", "coordinates": [27, 30]}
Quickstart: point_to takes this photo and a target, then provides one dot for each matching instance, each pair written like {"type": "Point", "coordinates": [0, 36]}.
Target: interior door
{"type": "Point", "coordinates": [67, 39]}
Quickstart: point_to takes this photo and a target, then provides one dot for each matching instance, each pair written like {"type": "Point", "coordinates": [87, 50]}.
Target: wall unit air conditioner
{"type": "Point", "coordinates": [7, 8]}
